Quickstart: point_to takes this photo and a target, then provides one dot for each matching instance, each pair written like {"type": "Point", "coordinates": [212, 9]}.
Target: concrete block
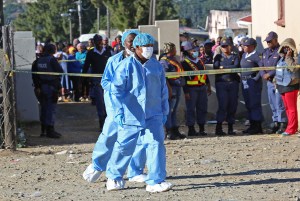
{"type": "Point", "coordinates": [24, 53]}
{"type": "Point", "coordinates": [168, 32]}
{"type": "Point", "coordinates": [23, 34]}
{"type": "Point", "coordinates": [27, 105]}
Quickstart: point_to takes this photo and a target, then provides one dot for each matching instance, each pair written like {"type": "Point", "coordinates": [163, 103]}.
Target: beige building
{"type": "Point", "coordinates": [224, 23]}
{"type": "Point", "coordinates": [281, 16]}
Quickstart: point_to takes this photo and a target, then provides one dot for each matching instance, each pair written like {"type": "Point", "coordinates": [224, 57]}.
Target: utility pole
{"type": "Point", "coordinates": [153, 11]}
{"type": "Point", "coordinates": [98, 19]}
{"type": "Point", "coordinates": [79, 4]}
{"type": "Point", "coordinates": [1, 21]}
{"type": "Point", "coordinates": [108, 22]}
{"type": "Point", "coordinates": [150, 13]}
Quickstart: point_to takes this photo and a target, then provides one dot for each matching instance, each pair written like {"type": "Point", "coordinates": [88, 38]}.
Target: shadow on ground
{"type": "Point", "coordinates": [77, 122]}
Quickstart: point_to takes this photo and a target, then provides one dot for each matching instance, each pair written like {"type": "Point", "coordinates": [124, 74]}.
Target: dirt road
{"type": "Point", "coordinates": [231, 168]}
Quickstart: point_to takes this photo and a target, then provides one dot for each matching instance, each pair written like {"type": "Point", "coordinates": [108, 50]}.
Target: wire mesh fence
{"type": "Point", "coordinates": [8, 138]}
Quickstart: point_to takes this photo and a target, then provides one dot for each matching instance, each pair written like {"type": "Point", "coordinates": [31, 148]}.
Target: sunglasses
{"type": "Point", "coordinates": [269, 41]}
{"type": "Point", "coordinates": [224, 46]}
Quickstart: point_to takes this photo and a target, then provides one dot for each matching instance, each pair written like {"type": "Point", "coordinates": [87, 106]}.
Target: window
{"type": "Point", "coordinates": [281, 13]}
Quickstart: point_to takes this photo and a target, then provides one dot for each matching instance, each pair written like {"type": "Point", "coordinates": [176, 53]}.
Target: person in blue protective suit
{"type": "Point", "coordinates": [105, 143]}
{"type": "Point", "coordinates": [47, 88]}
{"type": "Point", "coordinates": [196, 90]}
{"type": "Point", "coordinates": [169, 62]}
{"type": "Point", "coordinates": [140, 99]}
{"type": "Point", "coordinates": [96, 59]}
{"type": "Point", "coordinates": [227, 87]}
{"type": "Point", "coordinates": [252, 87]}
{"type": "Point", "coordinates": [270, 57]}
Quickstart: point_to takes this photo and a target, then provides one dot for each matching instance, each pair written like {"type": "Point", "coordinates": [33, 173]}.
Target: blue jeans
{"type": "Point", "coordinates": [276, 104]}
{"type": "Point", "coordinates": [173, 104]}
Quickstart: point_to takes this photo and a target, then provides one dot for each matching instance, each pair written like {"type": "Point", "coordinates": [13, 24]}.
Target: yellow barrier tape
{"type": "Point", "coordinates": [221, 71]}
{"type": "Point", "coordinates": [170, 74]}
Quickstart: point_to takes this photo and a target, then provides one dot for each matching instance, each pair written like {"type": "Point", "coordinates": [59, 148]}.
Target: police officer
{"type": "Point", "coordinates": [252, 86]}
{"type": "Point", "coordinates": [270, 57]}
{"type": "Point", "coordinates": [170, 64]}
{"type": "Point", "coordinates": [47, 88]}
{"type": "Point", "coordinates": [196, 90]}
{"type": "Point", "coordinates": [227, 87]}
{"type": "Point", "coordinates": [96, 59]}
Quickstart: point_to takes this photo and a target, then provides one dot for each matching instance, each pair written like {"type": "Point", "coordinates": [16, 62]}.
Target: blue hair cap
{"type": "Point", "coordinates": [127, 33]}
{"type": "Point", "coordinates": [143, 39]}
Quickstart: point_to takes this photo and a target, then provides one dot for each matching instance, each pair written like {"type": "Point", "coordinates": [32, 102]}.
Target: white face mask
{"type": "Point", "coordinates": [129, 52]}
{"type": "Point", "coordinates": [147, 52]}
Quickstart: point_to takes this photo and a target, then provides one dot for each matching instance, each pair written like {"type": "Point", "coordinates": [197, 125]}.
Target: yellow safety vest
{"type": "Point", "coordinates": [176, 64]}
{"type": "Point", "coordinates": [198, 79]}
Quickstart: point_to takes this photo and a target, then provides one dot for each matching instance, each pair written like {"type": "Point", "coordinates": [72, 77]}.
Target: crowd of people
{"type": "Point", "coordinates": [226, 53]}
{"type": "Point", "coordinates": [135, 100]}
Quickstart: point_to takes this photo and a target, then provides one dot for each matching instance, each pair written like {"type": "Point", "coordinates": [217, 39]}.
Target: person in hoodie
{"type": "Point", "coordinates": [287, 83]}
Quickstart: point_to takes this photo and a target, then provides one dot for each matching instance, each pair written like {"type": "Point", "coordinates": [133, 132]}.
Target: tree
{"type": "Point", "coordinates": [44, 19]}
{"type": "Point", "coordinates": [128, 14]}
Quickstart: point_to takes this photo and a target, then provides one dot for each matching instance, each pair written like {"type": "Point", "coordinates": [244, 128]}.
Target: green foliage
{"type": "Point", "coordinates": [129, 14]}
{"type": "Point", "coordinates": [198, 10]}
{"type": "Point", "coordinates": [44, 19]}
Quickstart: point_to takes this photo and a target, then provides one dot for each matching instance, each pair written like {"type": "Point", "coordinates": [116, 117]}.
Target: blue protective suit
{"type": "Point", "coordinates": [139, 92]}
{"type": "Point", "coordinates": [105, 143]}
{"type": "Point", "coordinates": [107, 138]}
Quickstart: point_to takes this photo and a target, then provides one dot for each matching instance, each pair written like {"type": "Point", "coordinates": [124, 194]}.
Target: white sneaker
{"type": "Point", "coordinates": [138, 178]}
{"type": "Point", "coordinates": [90, 174]}
{"type": "Point", "coordinates": [113, 185]}
{"type": "Point", "coordinates": [162, 187]}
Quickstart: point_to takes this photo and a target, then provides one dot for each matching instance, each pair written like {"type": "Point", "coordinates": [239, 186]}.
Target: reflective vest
{"type": "Point", "coordinates": [176, 64]}
{"type": "Point", "coordinates": [198, 79]}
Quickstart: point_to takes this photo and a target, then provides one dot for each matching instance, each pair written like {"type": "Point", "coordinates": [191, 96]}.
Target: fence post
{"type": "Point", "coordinates": [8, 90]}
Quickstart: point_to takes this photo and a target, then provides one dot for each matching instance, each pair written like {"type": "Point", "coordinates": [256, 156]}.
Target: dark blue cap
{"type": "Point", "coordinates": [271, 36]}
{"type": "Point", "coordinates": [249, 41]}
{"type": "Point", "coordinates": [225, 41]}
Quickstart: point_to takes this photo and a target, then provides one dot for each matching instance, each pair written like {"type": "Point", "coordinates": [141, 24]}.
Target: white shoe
{"type": "Point", "coordinates": [90, 174]}
{"type": "Point", "coordinates": [162, 187]}
{"type": "Point", "coordinates": [113, 185]}
{"type": "Point", "coordinates": [247, 123]}
{"type": "Point", "coordinates": [139, 178]}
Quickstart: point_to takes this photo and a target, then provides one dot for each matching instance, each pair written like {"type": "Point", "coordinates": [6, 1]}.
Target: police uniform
{"type": "Point", "coordinates": [227, 89]}
{"type": "Point", "coordinates": [176, 82]}
{"type": "Point", "coordinates": [96, 60]}
{"type": "Point", "coordinates": [252, 88]}
{"type": "Point", "coordinates": [48, 86]}
{"type": "Point", "coordinates": [270, 57]}
{"type": "Point", "coordinates": [196, 87]}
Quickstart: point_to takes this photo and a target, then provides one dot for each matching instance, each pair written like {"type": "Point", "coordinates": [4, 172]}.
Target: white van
{"type": "Point", "coordinates": [84, 38]}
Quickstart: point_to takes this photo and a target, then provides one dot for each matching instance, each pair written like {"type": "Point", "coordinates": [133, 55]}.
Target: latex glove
{"type": "Point", "coordinates": [164, 119]}
{"type": "Point", "coordinates": [119, 119]}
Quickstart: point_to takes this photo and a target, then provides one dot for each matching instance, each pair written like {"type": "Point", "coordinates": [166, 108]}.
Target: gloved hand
{"type": "Point", "coordinates": [119, 119]}
{"type": "Point", "coordinates": [164, 119]}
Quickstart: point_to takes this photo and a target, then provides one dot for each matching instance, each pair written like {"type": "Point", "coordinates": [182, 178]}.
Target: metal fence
{"type": "Point", "coordinates": [8, 117]}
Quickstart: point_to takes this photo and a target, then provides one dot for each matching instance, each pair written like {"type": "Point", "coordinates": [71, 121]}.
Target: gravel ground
{"type": "Point", "coordinates": [230, 168]}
